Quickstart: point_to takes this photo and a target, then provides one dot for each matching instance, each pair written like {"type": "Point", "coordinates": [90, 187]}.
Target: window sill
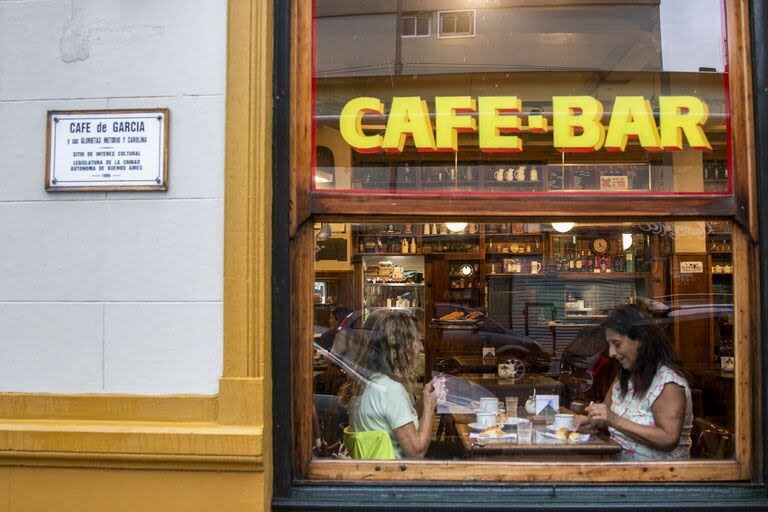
{"type": "Point", "coordinates": [131, 444]}
{"type": "Point", "coordinates": [529, 472]}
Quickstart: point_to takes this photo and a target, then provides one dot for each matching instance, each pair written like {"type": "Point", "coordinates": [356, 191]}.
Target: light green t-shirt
{"type": "Point", "coordinates": [384, 405]}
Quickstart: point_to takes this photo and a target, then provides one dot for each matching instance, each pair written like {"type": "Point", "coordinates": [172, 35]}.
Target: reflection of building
{"type": "Point", "coordinates": [360, 38]}
{"type": "Point", "coordinates": [587, 49]}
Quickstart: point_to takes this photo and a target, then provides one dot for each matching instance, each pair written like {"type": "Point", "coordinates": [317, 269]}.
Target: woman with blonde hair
{"type": "Point", "coordinates": [383, 400]}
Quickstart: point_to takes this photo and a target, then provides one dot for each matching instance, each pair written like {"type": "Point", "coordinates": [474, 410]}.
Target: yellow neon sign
{"type": "Point", "coordinates": [577, 123]}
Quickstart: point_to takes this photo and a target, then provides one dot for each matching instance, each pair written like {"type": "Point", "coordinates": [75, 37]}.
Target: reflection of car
{"type": "Point", "coordinates": [585, 367]}
{"type": "Point", "coordinates": [484, 332]}
{"type": "Point", "coordinates": [470, 339]}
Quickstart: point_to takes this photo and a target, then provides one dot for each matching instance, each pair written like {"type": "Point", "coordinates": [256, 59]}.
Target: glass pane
{"type": "Point", "coordinates": [409, 26]}
{"type": "Point", "coordinates": [422, 26]}
{"type": "Point", "coordinates": [526, 325]}
{"type": "Point", "coordinates": [447, 24]}
{"type": "Point", "coordinates": [464, 23]}
{"type": "Point", "coordinates": [579, 98]}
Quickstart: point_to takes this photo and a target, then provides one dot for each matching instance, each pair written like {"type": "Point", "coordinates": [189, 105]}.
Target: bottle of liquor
{"type": "Point", "coordinates": [629, 258]}
{"type": "Point", "coordinates": [571, 262]}
{"type": "Point", "coordinates": [579, 264]}
{"type": "Point", "coordinates": [404, 248]}
{"type": "Point", "coordinates": [618, 261]}
{"type": "Point", "coordinates": [379, 245]}
{"type": "Point", "coordinates": [413, 246]}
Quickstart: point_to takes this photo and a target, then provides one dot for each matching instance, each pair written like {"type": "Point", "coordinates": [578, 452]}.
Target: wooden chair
{"type": "Point", "coordinates": [711, 441]}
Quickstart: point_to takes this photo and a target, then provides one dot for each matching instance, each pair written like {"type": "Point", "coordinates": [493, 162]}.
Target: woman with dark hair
{"type": "Point", "coordinates": [648, 408]}
{"type": "Point", "coordinates": [384, 400]}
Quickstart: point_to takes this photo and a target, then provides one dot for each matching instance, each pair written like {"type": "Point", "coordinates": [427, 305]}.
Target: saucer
{"type": "Point", "coordinates": [511, 422]}
{"type": "Point", "coordinates": [477, 426]}
{"type": "Point", "coordinates": [583, 438]}
{"type": "Point", "coordinates": [551, 428]}
{"type": "Point", "coordinates": [505, 437]}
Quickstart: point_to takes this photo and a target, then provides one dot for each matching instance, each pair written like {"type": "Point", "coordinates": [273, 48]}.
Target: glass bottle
{"type": "Point", "coordinates": [413, 246]}
{"type": "Point", "coordinates": [618, 261]}
{"type": "Point", "coordinates": [629, 258]}
{"type": "Point", "coordinates": [404, 246]}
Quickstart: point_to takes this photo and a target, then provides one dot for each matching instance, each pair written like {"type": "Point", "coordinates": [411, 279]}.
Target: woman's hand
{"type": "Point", "coordinates": [431, 393]}
{"type": "Point", "coordinates": [601, 414]}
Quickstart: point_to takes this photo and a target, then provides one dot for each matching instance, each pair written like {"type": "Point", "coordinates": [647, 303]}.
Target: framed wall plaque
{"type": "Point", "coordinates": [107, 150]}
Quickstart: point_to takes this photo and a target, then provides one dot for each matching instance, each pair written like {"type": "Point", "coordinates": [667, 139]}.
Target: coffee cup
{"type": "Point", "coordinates": [486, 419]}
{"type": "Point", "coordinates": [498, 175]}
{"type": "Point", "coordinates": [489, 404]}
{"type": "Point", "coordinates": [564, 421]}
{"type": "Point", "coordinates": [520, 173]}
{"type": "Point", "coordinates": [510, 174]}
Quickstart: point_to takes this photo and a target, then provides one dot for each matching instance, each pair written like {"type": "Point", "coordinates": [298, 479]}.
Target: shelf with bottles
{"type": "Point", "coordinates": [399, 241]}
{"type": "Point", "coordinates": [719, 244]}
{"type": "Point", "coordinates": [507, 244]}
{"type": "Point", "coordinates": [450, 246]}
{"type": "Point", "coordinates": [394, 298]}
{"type": "Point", "coordinates": [448, 229]}
{"type": "Point", "coordinates": [598, 253]}
{"type": "Point", "coordinates": [514, 265]}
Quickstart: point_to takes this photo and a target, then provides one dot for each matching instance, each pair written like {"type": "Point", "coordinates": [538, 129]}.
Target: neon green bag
{"type": "Point", "coordinates": [370, 445]}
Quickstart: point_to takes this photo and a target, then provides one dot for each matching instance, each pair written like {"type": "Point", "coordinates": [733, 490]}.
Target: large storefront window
{"type": "Point", "coordinates": [518, 322]}
{"type": "Point", "coordinates": [530, 225]}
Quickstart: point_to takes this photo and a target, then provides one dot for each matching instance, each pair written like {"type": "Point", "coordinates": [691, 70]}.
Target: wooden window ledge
{"type": "Point", "coordinates": [131, 444]}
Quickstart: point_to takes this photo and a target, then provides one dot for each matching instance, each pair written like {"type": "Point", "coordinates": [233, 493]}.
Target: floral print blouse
{"type": "Point", "coordinates": [639, 410]}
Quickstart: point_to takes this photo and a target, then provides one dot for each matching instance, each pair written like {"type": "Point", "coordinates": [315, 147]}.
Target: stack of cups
{"type": "Point", "coordinates": [486, 413]}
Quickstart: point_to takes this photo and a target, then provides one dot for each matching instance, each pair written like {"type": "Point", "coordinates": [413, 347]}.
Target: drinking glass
{"type": "Point", "coordinates": [524, 432]}
{"type": "Point", "coordinates": [511, 406]}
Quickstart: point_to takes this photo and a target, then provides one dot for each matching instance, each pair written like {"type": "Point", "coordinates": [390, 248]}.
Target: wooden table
{"type": "Point", "coordinates": [599, 447]}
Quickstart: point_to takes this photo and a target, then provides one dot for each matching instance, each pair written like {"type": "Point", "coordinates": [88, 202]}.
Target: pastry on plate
{"type": "Point", "coordinates": [562, 433]}
{"type": "Point", "coordinates": [574, 436]}
{"type": "Point", "coordinates": [492, 431]}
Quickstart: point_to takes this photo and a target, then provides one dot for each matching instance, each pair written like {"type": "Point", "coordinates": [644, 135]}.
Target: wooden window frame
{"type": "Point", "coordinates": [310, 206]}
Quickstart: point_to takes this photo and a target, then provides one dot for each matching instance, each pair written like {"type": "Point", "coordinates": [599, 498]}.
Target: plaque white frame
{"type": "Point", "coordinates": [58, 181]}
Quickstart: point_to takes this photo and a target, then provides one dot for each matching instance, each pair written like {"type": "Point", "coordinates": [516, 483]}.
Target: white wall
{"type": "Point", "coordinates": [112, 292]}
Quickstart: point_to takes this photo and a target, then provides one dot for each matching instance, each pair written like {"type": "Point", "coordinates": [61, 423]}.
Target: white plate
{"type": "Point", "coordinates": [505, 437]}
{"type": "Point", "coordinates": [477, 426]}
{"type": "Point", "coordinates": [513, 421]}
{"type": "Point", "coordinates": [583, 438]}
{"type": "Point", "coordinates": [551, 428]}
